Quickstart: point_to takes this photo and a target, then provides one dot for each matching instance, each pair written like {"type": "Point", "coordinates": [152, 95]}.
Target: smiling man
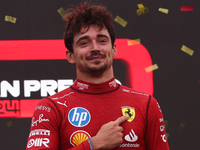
{"type": "Point", "coordinates": [93, 54]}
{"type": "Point", "coordinates": [96, 112]}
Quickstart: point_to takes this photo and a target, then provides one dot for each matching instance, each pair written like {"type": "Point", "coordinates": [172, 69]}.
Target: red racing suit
{"type": "Point", "coordinates": [67, 119]}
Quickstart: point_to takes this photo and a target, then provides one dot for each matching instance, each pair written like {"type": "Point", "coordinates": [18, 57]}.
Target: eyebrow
{"type": "Point", "coordinates": [82, 38]}
{"type": "Point", "coordinates": [87, 37]}
{"type": "Point", "coordinates": [102, 35]}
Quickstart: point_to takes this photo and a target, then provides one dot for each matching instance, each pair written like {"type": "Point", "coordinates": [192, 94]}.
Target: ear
{"type": "Point", "coordinates": [70, 57]}
{"type": "Point", "coordinates": [114, 50]}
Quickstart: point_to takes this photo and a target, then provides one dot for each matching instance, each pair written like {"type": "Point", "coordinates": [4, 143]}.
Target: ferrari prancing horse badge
{"type": "Point", "coordinates": [130, 111]}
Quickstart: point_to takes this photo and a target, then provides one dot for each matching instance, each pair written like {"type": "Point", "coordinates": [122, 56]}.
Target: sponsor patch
{"type": "Point", "coordinates": [129, 145]}
{"type": "Point", "coordinates": [78, 137]}
{"type": "Point", "coordinates": [38, 142]}
{"type": "Point", "coordinates": [79, 117]}
{"type": "Point", "coordinates": [130, 111]}
{"type": "Point", "coordinates": [164, 138]}
{"type": "Point", "coordinates": [131, 137]}
{"type": "Point", "coordinates": [41, 107]}
{"type": "Point", "coordinates": [40, 119]}
{"type": "Point", "coordinates": [39, 132]}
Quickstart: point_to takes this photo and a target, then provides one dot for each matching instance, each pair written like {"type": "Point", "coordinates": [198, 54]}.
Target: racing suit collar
{"type": "Point", "coordinates": [86, 87]}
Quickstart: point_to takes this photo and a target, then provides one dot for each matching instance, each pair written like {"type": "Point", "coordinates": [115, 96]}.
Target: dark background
{"type": "Point", "coordinates": [176, 82]}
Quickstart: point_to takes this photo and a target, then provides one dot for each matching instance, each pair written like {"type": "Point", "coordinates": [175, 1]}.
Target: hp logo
{"type": "Point", "coordinates": [79, 117]}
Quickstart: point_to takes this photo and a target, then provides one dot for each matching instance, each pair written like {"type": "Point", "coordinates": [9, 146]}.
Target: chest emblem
{"type": "Point", "coordinates": [131, 137]}
{"type": "Point", "coordinates": [78, 137]}
{"type": "Point", "coordinates": [79, 117]}
{"type": "Point", "coordinates": [130, 111]}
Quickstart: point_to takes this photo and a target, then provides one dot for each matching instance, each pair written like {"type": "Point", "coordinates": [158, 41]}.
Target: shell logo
{"type": "Point", "coordinates": [78, 137]}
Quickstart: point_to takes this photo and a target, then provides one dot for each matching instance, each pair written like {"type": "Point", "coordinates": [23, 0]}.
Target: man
{"type": "Point", "coordinates": [95, 112]}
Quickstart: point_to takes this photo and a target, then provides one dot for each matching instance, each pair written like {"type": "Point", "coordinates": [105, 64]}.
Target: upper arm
{"type": "Point", "coordinates": [155, 134]}
{"type": "Point", "coordinates": [45, 126]}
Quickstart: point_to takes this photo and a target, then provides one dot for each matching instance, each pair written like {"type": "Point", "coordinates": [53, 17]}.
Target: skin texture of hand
{"type": "Point", "coordinates": [110, 135]}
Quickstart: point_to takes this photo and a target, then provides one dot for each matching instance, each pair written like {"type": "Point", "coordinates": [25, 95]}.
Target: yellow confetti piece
{"type": "Point", "coordinates": [133, 42]}
{"type": "Point", "coordinates": [142, 9]}
{"type": "Point", "coordinates": [151, 68]}
{"type": "Point", "coordinates": [164, 10]}
{"type": "Point", "coordinates": [140, 6]}
{"type": "Point", "coordinates": [9, 124]}
{"type": "Point", "coordinates": [187, 50]}
{"type": "Point", "coordinates": [10, 19]}
{"type": "Point", "coordinates": [181, 126]}
{"type": "Point", "coordinates": [61, 11]}
{"type": "Point", "coordinates": [166, 124]}
{"type": "Point", "coordinates": [137, 40]}
{"type": "Point", "coordinates": [167, 135]}
{"type": "Point", "coordinates": [121, 21]}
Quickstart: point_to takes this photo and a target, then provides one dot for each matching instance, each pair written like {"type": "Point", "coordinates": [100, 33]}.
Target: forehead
{"type": "Point", "coordinates": [92, 32]}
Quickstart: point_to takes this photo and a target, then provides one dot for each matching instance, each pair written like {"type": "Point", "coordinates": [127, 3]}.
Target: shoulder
{"type": "Point", "coordinates": [125, 89]}
{"type": "Point", "coordinates": [62, 95]}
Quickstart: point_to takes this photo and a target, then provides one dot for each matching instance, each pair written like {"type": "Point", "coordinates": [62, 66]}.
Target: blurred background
{"type": "Point", "coordinates": [31, 32]}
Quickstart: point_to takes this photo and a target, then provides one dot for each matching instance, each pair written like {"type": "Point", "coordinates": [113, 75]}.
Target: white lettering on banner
{"type": "Point", "coordinates": [38, 142]}
{"type": "Point", "coordinates": [13, 90]}
{"type": "Point", "coordinates": [131, 137]}
{"type": "Point", "coordinates": [48, 87]}
{"type": "Point", "coordinates": [41, 107]}
{"type": "Point", "coordinates": [39, 132]}
{"type": "Point", "coordinates": [31, 86]}
{"type": "Point", "coordinates": [44, 86]}
{"type": "Point", "coordinates": [34, 123]}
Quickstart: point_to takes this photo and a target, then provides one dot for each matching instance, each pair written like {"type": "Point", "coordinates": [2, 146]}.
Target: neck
{"type": "Point", "coordinates": [96, 77]}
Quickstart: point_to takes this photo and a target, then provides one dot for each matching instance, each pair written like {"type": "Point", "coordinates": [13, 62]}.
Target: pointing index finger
{"type": "Point", "coordinates": [121, 119]}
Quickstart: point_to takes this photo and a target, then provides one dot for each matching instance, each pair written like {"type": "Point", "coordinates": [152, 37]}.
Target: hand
{"type": "Point", "coordinates": [110, 135]}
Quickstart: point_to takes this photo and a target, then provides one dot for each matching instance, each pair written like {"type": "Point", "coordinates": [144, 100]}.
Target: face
{"type": "Point", "coordinates": [93, 51]}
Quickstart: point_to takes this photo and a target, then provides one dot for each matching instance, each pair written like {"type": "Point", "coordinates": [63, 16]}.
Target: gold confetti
{"type": "Point", "coordinates": [164, 10]}
{"type": "Point", "coordinates": [137, 40]}
{"type": "Point", "coordinates": [167, 135]}
{"type": "Point", "coordinates": [133, 42]}
{"type": "Point", "coordinates": [9, 124]}
{"type": "Point", "coordinates": [10, 19]}
{"type": "Point", "coordinates": [121, 21]}
{"type": "Point", "coordinates": [187, 50]}
{"type": "Point", "coordinates": [181, 126]}
{"type": "Point", "coordinates": [142, 9]}
{"type": "Point", "coordinates": [61, 11]}
{"type": "Point", "coordinates": [151, 68]}
{"type": "Point", "coordinates": [166, 124]}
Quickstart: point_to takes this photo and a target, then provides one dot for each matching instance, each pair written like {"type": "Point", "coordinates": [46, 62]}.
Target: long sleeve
{"type": "Point", "coordinates": [45, 128]}
{"type": "Point", "coordinates": [155, 138]}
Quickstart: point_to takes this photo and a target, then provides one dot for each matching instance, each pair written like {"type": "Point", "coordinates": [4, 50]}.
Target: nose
{"type": "Point", "coordinates": [94, 47]}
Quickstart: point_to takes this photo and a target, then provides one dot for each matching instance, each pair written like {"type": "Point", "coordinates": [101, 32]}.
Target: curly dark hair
{"type": "Point", "coordinates": [84, 16]}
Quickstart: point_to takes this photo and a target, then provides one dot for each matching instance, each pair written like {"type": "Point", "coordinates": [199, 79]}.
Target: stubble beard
{"type": "Point", "coordinates": [97, 68]}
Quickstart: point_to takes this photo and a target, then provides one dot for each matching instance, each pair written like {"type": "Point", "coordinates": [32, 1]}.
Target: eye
{"type": "Point", "coordinates": [103, 41]}
{"type": "Point", "coordinates": [83, 43]}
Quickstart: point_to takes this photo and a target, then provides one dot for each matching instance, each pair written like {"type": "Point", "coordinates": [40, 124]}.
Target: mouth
{"type": "Point", "coordinates": [95, 57]}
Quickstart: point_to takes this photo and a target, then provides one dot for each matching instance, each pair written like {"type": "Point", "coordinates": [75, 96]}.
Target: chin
{"type": "Point", "coordinates": [97, 68]}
